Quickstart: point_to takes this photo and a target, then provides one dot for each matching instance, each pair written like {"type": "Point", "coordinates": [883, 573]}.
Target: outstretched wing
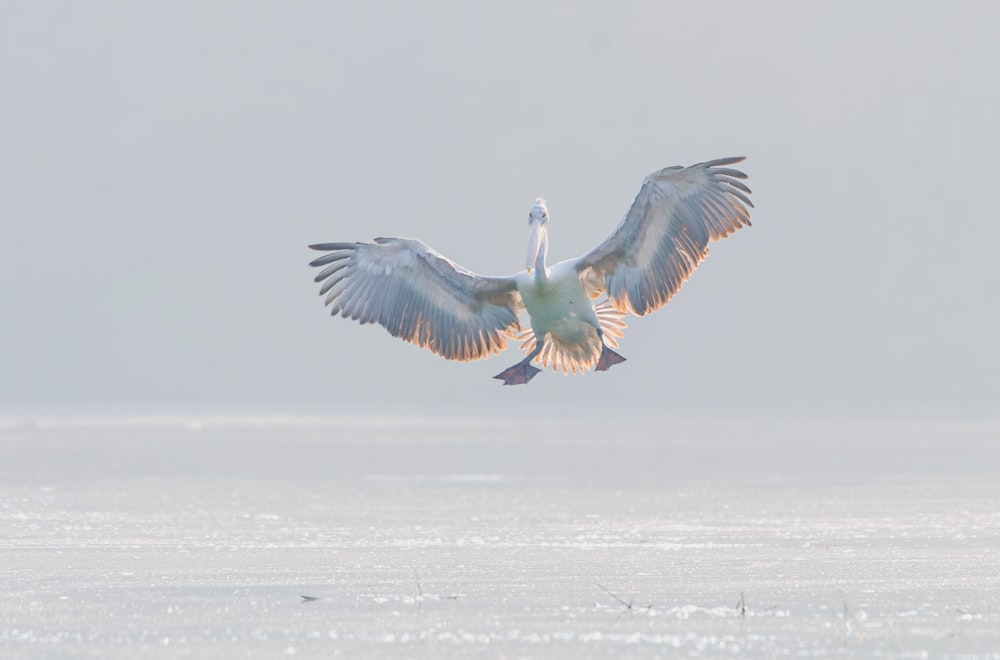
{"type": "Point", "coordinates": [666, 233]}
{"type": "Point", "coordinates": [419, 296]}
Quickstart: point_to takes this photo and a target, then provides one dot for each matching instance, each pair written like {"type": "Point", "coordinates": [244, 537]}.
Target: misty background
{"type": "Point", "coordinates": [163, 167]}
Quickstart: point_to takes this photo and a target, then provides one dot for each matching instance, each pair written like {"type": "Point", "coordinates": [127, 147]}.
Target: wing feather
{"type": "Point", "coordinates": [665, 234]}
{"type": "Point", "coordinates": [419, 296]}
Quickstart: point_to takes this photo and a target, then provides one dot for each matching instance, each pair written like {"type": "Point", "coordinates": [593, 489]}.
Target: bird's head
{"type": "Point", "coordinates": [539, 212]}
{"type": "Point", "coordinates": [538, 221]}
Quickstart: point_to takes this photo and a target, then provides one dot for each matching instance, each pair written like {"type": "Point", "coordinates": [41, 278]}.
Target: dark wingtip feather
{"type": "Point", "coordinates": [326, 247]}
{"type": "Point", "coordinates": [728, 172]}
{"type": "Point", "coordinates": [732, 160]}
{"type": "Point", "coordinates": [739, 185]}
{"type": "Point", "coordinates": [328, 259]}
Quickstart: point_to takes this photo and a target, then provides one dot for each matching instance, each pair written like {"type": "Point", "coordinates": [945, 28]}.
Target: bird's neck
{"type": "Point", "coordinates": [541, 271]}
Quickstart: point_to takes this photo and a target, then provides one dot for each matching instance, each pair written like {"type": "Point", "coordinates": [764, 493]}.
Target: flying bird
{"type": "Point", "coordinates": [576, 307]}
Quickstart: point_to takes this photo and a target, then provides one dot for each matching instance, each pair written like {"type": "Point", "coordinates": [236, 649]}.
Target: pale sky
{"type": "Point", "coordinates": [164, 166]}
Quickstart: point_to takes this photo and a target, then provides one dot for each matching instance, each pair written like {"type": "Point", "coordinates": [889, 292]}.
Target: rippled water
{"type": "Point", "coordinates": [436, 537]}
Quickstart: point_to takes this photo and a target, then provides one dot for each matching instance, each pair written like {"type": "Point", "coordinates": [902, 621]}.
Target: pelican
{"type": "Point", "coordinates": [424, 298]}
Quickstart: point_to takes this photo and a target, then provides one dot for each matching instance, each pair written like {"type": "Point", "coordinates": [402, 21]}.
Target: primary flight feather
{"type": "Point", "coordinates": [424, 298]}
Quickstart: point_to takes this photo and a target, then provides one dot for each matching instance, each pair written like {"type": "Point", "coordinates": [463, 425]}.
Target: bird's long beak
{"type": "Point", "coordinates": [536, 239]}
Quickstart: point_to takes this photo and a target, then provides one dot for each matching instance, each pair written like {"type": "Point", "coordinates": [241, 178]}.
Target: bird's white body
{"type": "Point", "coordinates": [559, 308]}
{"type": "Point", "coordinates": [424, 298]}
{"type": "Point", "coordinates": [556, 302]}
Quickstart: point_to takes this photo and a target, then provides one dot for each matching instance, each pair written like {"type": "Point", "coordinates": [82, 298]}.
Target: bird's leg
{"type": "Point", "coordinates": [608, 357]}
{"type": "Point", "coordinates": [521, 372]}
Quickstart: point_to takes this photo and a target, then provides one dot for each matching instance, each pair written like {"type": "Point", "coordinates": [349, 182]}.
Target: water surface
{"type": "Point", "coordinates": [438, 537]}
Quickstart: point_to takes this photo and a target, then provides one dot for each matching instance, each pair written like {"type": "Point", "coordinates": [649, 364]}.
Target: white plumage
{"type": "Point", "coordinates": [424, 298]}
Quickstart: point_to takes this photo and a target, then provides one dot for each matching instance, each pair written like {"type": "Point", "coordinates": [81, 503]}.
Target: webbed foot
{"type": "Point", "coordinates": [608, 359]}
{"type": "Point", "coordinates": [519, 374]}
